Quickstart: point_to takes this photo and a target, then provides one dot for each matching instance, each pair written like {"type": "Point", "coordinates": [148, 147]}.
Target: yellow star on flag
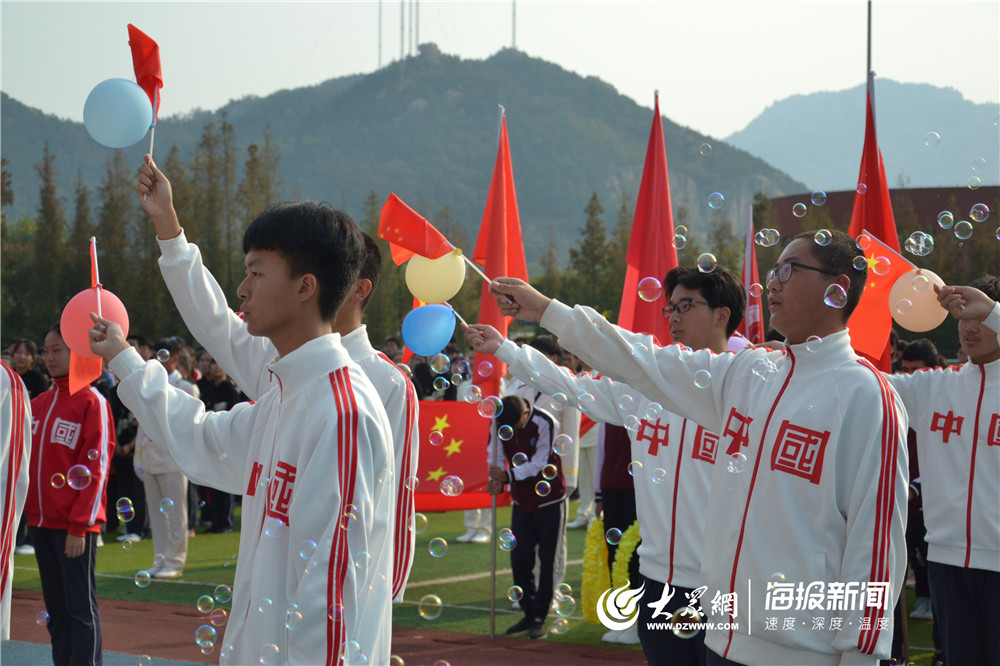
{"type": "Point", "coordinates": [454, 447]}
{"type": "Point", "coordinates": [441, 422]}
{"type": "Point", "coordinates": [435, 475]}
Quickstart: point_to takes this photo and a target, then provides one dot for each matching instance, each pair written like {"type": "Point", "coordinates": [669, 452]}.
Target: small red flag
{"type": "Point", "coordinates": [752, 326]}
{"type": "Point", "coordinates": [409, 233]}
{"type": "Point", "coordinates": [500, 250]}
{"type": "Point", "coordinates": [146, 63]}
{"type": "Point", "coordinates": [873, 213]}
{"type": "Point", "coordinates": [651, 251]}
{"type": "Point", "coordinates": [871, 321]}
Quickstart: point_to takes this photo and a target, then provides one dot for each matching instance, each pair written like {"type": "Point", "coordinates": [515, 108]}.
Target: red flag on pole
{"type": "Point", "coordinates": [752, 326]}
{"type": "Point", "coordinates": [651, 251]}
{"type": "Point", "coordinates": [409, 233]}
{"type": "Point", "coordinates": [146, 63]}
{"type": "Point", "coordinates": [873, 213]}
{"type": "Point", "coordinates": [500, 250]}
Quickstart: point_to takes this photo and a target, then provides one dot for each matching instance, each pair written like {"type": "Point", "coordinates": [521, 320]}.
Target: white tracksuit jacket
{"type": "Point", "coordinates": [817, 494]}
{"type": "Point", "coordinates": [310, 459]}
{"type": "Point", "coordinates": [15, 453]}
{"type": "Point", "coordinates": [677, 458]}
{"type": "Point", "coordinates": [954, 412]}
{"type": "Point", "coordinates": [244, 357]}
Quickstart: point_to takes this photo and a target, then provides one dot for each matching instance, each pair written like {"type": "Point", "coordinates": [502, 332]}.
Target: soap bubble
{"type": "Point", "coordinates": [430, 607]}
{"type": "Point", "coordinates": [565, 606]}
{"type": "Point", "coordinates": [919, 243]}
{"type": "Point", "coordinates": [166, 505]}
{"type": "Point", "coordinates": [702, 378]}
{"type": "Point", "coordinates": [125, 509]}
{"type": "Point", "coordinates": [490, 407]}
{"type": "Point", "coordinates": [440, 384]}
{"type": "Point", "coordinates": [974, 182]}
{"type": "Point", "coordinates": [813, 343]}
{"type": "Point", "coordinates": [452, 486]}
{"type": "Point", "coordinates": [707, 262]}
{"type": "Point", "coordinates": [705, 149]}
{"type": "Point", "coordinates": [484, 369]}
{"type": "Point", "coordinates": [659, 475]}
{"type": "Point", "coordinates": [631, 423]}
{"type": "Point", "coordinates": [273, 526]}
{"type": "Point", "coordinates": [163, 355]}
{"type": "Point", "coordinates": [685, 621]}
{"type": "Point", "coordinates": [42, 619]}
{"type": "Point", "coordinates": [58, 480]}
{"type": "Point", "coordinates": [650, 289]}
{"type": "Point", "coordinates": [543, 488]}
{"type": "Point", "coordinates": [558, 401]}
{"type": "Point", "coordinates": [835, 296]}
{"type": "Point", "coordinates": [945, 219]}
{"type": "Point", "coordinates": [562, 444]}
{"type": "Point", "coordinates": [860, 262]}
{"type": "Point", "coordinates": [716, 200]}
{"type": "Point", "coordinates": [756, 289]}
{"type": "Point", "coordinates": [653, 411]}
{"type": "Point", "coordinates": [435, 437]}
{"type": "Point", "coordinates": [818, 198]}
{"type": "Point", "coordinates": [419, 523]}
{"type": "Point", "coordinates": [518, 459]}
{"type": "Point", "coordinates": [881, 266]}
{"type": "Point", "coordinates": [613, 536]}
{"type": "Point", "coordinates": [306, 549]}
{"type": "Point", "coordinates": [634, 468]}
{"type": "Point", "coordinates": [822, 237]}
{"type": "Point", "coordinates": [92, 454]}
{"type": "Point", "coordinates": [142, 578]}
{"type": "Point", "coordinates": [904, 306]}
{"type": "Point", "coordinates": [437, 547]}
{"type": "Point", "coordinates": [680, 241]}
{"type": "Point", "coordinates": [268, 654]}
{"type": "Point", "coordinates": [205, 604]}
{"type": "Point", "coordinates": [626, 401]}
{"type": "Point", "coordinates": [979, 212]}
{"type": "Point", "coordinates": [205, 635]}
{"type": "Point", "coordinates": [963, 230]}
{"type": "Point", "coordinates": [78, 477]}
{"type": "Point", "coordinates": [473, 394]}
{"type": "Point", "coordinates": [506, 539]}
{"type": "Point", "coordinates": [799, 210]}
{"type": "Point", "coordinates": [550, 472]}
{"type": "Point", "coordinates": [932, 139]}
{"type": "Point", "coordinates": [223, 594]}
{"type": "Point", "coordinates": [505, 433]}
{"type": "Point", "coordinates": [515, 593]}
{"type": "Point", "coordinates": [736, 463]}
{"type": "Point", "coordinates": [559, 626]}
{"type": "Point", "coordinates": [862, 188]}
{"type": "Point", "coordinates": [585, 401]}
{"type": "Point", "coordinates": [440, 363]}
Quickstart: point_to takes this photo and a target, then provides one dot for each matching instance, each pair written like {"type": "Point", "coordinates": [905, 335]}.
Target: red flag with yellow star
{"type": "Point", "coordinates": [873, 213]}
{"type": "Point", "coordinates": [871, 320]}
{"type": "Point", "coordinates": [459, 450]}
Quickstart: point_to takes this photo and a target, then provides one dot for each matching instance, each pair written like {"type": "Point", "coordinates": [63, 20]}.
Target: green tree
{"type": "Point", "coordinates": [551, 280]}
{"type": "Point", "coordinates": [45, 298]}
{"type": "Point", "coordinates": [209, 199]}
{"type": "Point", "coordinates": [77, 266]}
{"type": "Point", "coordinates": [114, 230]}
{"type": "Point", "coordinates": [724, 243]}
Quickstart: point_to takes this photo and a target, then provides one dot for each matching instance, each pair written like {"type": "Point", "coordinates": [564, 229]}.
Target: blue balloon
{"type": "Point", "coordinates": [428, 329]}
{"type": "Point", "coordinates": [117, 113]}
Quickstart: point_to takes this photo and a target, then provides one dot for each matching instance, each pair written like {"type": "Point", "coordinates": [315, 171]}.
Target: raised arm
{"type": "Point", "coordinates": [198, 296]}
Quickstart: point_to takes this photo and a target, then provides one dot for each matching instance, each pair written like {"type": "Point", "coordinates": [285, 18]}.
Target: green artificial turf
{"type": "Point", "coordinates": [460, 579]}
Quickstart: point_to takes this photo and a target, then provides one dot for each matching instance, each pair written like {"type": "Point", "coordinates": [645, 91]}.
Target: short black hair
{"type": "Point", "coordinates": [838, 257]}
{"type": "Point", "coordinates": [29, 346]}
{"type": "Point", "coordinates": [313, 238]}
{"type": "Point", "coordinates": [371, 267]}
{"type": "Point", "coordinates": [139, 340]}
{"type": "Point", "coordinates": [54, 328]}
{"type": "Point", "coordinates": [172, 345]}
{"type": "Point", "coordinates": [513, 409]}
{"type": "Point", "coordinates": [721, 288]}
{"type": "Point", "coordinates": [989, 285]}
{"type": "Point", "coordinates": [547, 344]}
{"type": "Point", "coordinates": [923, 350]}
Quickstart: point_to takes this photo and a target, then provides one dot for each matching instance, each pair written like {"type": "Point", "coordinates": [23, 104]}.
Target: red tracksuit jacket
{"type": "Point", "coordinates": [69, 431]}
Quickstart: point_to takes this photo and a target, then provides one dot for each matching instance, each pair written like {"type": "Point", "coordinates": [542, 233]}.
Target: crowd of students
{"type": "Point", "coordinates": [762, 476]}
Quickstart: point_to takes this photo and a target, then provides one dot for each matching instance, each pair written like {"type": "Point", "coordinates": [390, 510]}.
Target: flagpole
{"type": "Point", "coordinates": [493, 550]}
{"type": "Point", "coordinates": [869, 69]}
{"type": "Point", "coordinates": [97, 275]}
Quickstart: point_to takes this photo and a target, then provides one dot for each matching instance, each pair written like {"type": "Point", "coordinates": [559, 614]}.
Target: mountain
{"type": "Point", "coordinates": [426, 129]}
{"type": "Point", "coordinates": [818, 138]}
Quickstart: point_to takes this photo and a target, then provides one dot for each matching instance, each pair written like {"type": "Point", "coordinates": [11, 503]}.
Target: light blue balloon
{"type": "Point", "coordinates": [428, 329]}
{"type": "Point", "coordinates": [117, 113]}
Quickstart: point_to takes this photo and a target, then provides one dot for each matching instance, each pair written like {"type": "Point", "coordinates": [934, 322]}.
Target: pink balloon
{"type": "Point", "coordinates": [75, 322]}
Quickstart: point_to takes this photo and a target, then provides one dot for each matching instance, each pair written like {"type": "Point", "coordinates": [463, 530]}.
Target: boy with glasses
{"type": "Point", "coordinates": [809, 490]}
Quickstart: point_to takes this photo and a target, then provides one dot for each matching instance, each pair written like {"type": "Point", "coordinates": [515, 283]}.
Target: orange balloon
{"type": "Point", "coordinates": [913, 302]}
{"type": "Point", "coordinates": [75, 322]}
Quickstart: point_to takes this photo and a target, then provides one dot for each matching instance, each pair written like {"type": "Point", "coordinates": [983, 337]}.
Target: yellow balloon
{"type": "Point", "coordinates": [435, 280]}
{"type": "Point", "coordinates": [913, 302]}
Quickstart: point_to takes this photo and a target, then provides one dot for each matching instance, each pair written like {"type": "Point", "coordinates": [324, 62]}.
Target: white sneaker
{"type": "Point", "coordinates": [25, 549]}
{"type": "Point", "coordinates": [578, 524]}
{"type": "Point", "coordinates": [467, 537]}
{"type": "Point", "coordinates": [629, 636]}
{"type": "Point", "coordinates": [130, 536]}
{"type": "Point", "coordinates": [612, 636]}
{"type": "Point", "coordinates": [166, 574]}
{"type": "Point", "coordinates": [100, 541]}
{"type": "Point", "coordinates": [481, 537]}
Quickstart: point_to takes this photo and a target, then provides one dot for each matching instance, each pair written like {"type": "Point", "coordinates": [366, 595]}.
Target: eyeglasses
{"type": "Point", "coordinates": [784, 271]}
{"type": "Point", "coordinates": [681, 306]}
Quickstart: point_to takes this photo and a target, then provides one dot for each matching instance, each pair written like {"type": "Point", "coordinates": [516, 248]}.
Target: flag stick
{"type": "Point", "coordinates": [493, 550]}
{"type": "Point", "coordinates": [97, 274]}
{"type": "Point", "coordinates": [476, 268]}
{"type": "Point", "coordinates": [465, 323]}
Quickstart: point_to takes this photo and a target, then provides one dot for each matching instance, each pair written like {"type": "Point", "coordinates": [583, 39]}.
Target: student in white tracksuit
{"type": "Point", "coordinates": [954, 412]}
{"type": "Point", "coordinates": [812, 491]}
{"type": "Point", "coordinates": [244, 357]}
{"type": "Point", "coordinates": [312, 457]}
{"type": "Point", "coordinates": [15, 452]}
{"type": "Point", "coordinates": [675, 456]}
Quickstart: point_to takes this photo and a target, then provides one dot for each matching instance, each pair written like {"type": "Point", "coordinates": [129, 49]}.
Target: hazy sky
{"type": "Point", "coordinates": [717, 65]}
